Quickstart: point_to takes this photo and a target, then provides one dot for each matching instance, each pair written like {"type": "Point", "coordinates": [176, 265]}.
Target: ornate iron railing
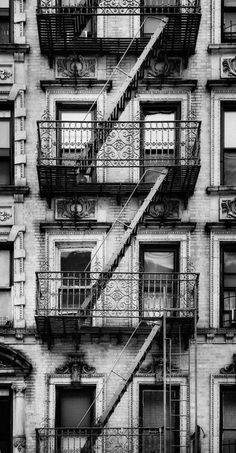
{"type": "Point", "coordinates": [90, 145]}
{"type": "Point", "coordinates": [110, 440]}
{"type": "Point", "coordinates": [122, 299]}
{"type": "Point", "coordinates": [104, 7]}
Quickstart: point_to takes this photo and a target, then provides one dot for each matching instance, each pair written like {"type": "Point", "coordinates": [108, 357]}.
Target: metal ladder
{"type": "Point", "coordinates": [113, 262]}
{"type": "Point", "coordinates": [89, 444]}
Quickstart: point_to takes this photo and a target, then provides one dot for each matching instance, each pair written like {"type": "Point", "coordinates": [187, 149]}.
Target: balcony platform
{"type": "Point", "coordinates": [120, 303]}
{"type": "Point", "coordinates": [61, 181]}
{"type": "Point", "coordinates": [110, 158]}
{"type": "Point", "coordinates": [60, 29]}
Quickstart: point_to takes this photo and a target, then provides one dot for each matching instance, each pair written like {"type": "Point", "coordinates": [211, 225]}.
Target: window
{"type": "Point", "coordinates": [5, 145]}
{"type": "Point", "coordinates": [5, 419]}
{"type": "Point", "coordinates": [228, 284]}
{"type": "Point", "coordinates": [76, 283]}
{"type": "Point", "coordinates": [150, 21]}
{"type": "Point", "coordinates": [5, 282]}
{"type": "Point", "coordinates": [159, 137]}
{"type": "Point", "coordinates": [74, 410]}
{"type": "Point", "coordinates": [229, 21]}
{"type": "Point", "coordinates": [228, 419]}
{"type": "Point", "coordinates": [228, 154]}
{"type": "Point", "coordinates": [75, 137]}
{"type": "Point", "coordinates": [159, 290]}
{"type": "Point", "coordinates": [85, 23]}
{"type": "Point", "coordinates": [5, 22]}
{"type": "Point", "coordinates": [152, 419]}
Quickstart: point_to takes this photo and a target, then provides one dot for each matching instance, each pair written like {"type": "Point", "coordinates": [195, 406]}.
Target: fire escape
{"type": "Point", "coordinates": [170, 325]}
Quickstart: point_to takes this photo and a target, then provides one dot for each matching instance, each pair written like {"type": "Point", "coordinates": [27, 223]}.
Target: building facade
{"type": "Point", "coordinates": [117, 226]}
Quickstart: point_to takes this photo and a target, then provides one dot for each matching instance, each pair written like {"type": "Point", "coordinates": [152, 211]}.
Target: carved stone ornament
{"type": "Point", "coordinates": [6, 73]}
{"type": "Point", "coordinates": [231, 368]}
{"type": "Point", "coordinates": [76, 67]}
{"type": "Point", "coordinates": [76, 366]}
{"type": "Point", "coordinates": [74, 209]}
{"type": "Point", "coordinates": [228, 208]}
{"type": "Point", "coordinates": [19, 388]}
{"type": "Point", "coordinates": [20, 443]}
{"type": "Point", "coordinates": [162, 66]}
{"type": "Point", "coordinates": [6, 215]}
{"type": "Point", "coordinates": [165, 209]}
{"type": "Point", "coordinates": [228, 67]}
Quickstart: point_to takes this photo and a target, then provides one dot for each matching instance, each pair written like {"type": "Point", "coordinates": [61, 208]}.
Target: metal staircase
{"type": "Point", "coordinates": [88, 446]}
{"type": "Point", "coordinates": [131, 82]}
{"type": "Point", "coordinates": [114, 261]}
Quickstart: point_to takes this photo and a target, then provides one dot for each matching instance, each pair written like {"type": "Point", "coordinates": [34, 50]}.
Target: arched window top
{"type": "Point", "coordinates": [13, 362]}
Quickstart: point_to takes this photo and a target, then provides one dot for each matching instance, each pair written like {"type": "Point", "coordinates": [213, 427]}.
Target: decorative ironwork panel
{"type": "Point", "coordinates": [119, 300]}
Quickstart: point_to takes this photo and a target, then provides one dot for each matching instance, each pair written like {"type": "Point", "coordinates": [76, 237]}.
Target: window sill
{"type": "Point", "coordinates": [11, 190]}
{"type": "Point", "coordinates": [222, 47]}
{"type": "Point", "coordinates": [221, 190]}
{"type": "Point", "coordinates": [5, 288]}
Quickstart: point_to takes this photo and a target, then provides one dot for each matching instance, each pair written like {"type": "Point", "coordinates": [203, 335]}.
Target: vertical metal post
{"type": "Point", "coordinates": [195, 376]}
{"type": "Point", "coordinates": [170, 397]}
{"type": "Point", "coordinates": [164, 382]}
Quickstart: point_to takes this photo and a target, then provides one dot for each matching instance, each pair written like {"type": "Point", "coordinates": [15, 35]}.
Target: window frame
{"type": "Point", "coordinates": [75, 290]}
{"type": "Point", "coordinates": [223, 388]}
{"type": "Point", "coordinates": [155, 247]}
{"type": "Point", "coordinates": [85, 161]}
{"type": "Point", "coordinates": [225, 107]}
{"type": "Point", "coordinates": [225, 246]}
{"type": "Point", "coordinates": [161, 246]}
{"type": "Point", "coordinates": [160, 386]}
{"type": "Point", "coordinates": [226, 9]}
{"type": "Point", "coordinates": [6, 106]}
{"type": "Point", "coordinates": [8, 246]}
{"type": "Point", "coordinates": [60, 388]}
{"type": "Point", "coordinates": [147, 108]}
{"type": "Point", "coordinates": [10, 22]}
{"type": "Point", "coordinates": [10, 397]}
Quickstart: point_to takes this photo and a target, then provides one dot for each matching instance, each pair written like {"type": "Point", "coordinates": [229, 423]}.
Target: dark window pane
{"type": "Point", "coordinates": [230, 25]}
{"type": "Point", "coordinates": [5, 420]}
{"type": "Point", "coordinates": [229, 410]}
{"type": "Point", "coordinates": [230, 168]}
{"type": "Point", "coordinates": [75, 261]}
{"type": "Point", "coordinates": [153, 408]}
{"type": "Point", "coordinates": [73, 405]}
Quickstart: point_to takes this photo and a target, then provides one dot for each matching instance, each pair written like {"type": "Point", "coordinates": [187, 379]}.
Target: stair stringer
{"type": "Point", "coordinates": [102, 421]}
{"type": "Point", "coordinates": [114, 261]}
